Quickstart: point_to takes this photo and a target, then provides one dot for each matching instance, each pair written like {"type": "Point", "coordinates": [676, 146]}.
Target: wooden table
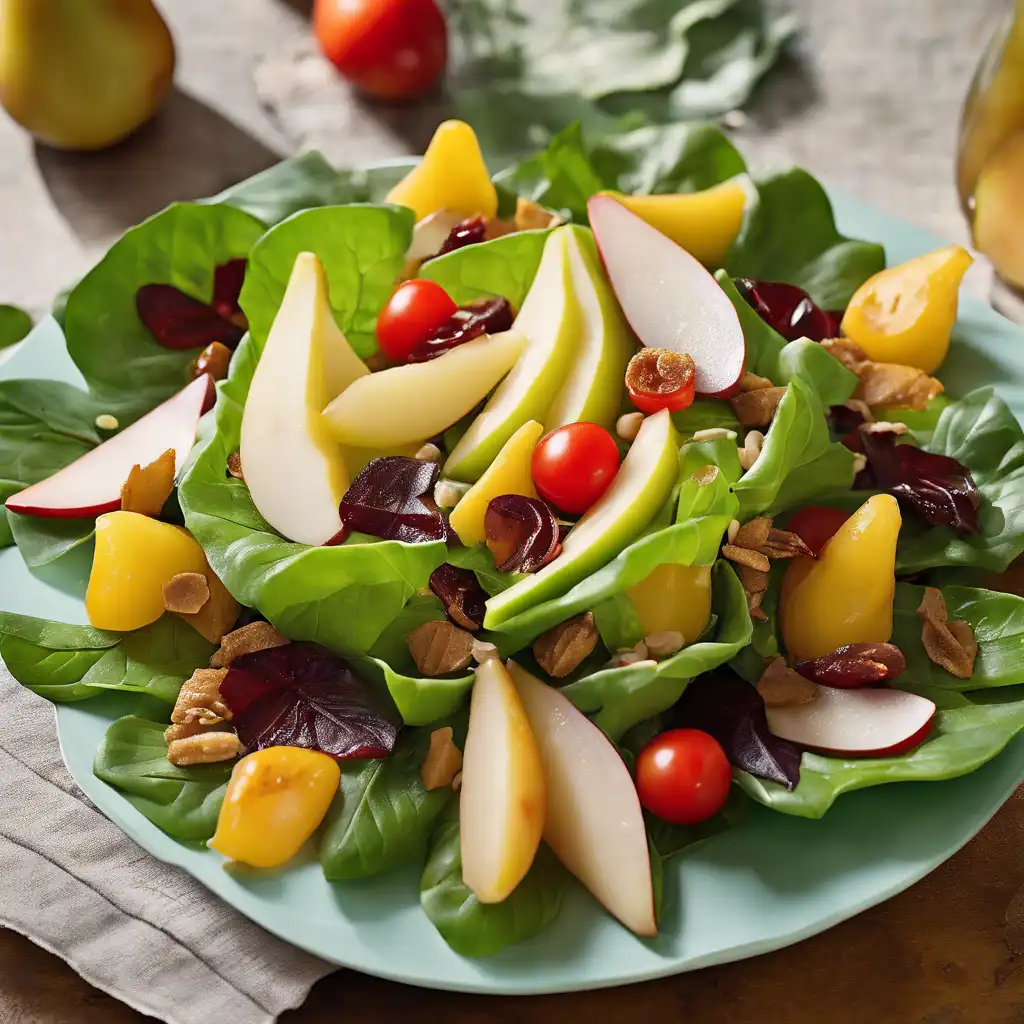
{"type": "Point", "coordinates": [873, 108]}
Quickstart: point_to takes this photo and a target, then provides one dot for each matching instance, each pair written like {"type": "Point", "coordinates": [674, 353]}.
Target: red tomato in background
{"type": "Point", "coordinates": [683, 776]}
{"type": "Point", "coordinates": [816, 525]}
{"type": "Point", "coordinates": [415, 309]}
{"type": "Point", "coordinates": [390, 49]}
{"type": "Point", "coordinates": [573, 465]}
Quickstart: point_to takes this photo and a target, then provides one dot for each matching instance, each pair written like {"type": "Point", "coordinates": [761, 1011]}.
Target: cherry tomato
{"type": "Point", "coordinates": [417, 308]}
{"type": "Point", "coordinates": [390, 49]}
{"type": "Point", "coordinates": [660, 378]}
{"type": "Point", "coordinates": [574, 465]}
{"type": "Point", "coordinates": [815, 525]}
{"type": "Point", "coordinates": [683, 776]}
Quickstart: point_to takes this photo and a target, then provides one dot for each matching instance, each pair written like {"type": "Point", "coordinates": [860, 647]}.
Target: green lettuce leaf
{"type": "Point", "coordinates": [341, 596]}
{"type": "Point", "coordinates": [14, 325]}
{"type": "Point", "coordinates": [706, 414]}
{"type": "Point", "coordinates": [126, 369]}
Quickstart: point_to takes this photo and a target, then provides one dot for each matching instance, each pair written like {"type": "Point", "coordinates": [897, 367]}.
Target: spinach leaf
{"type": "Point", "coordinates": [183, 802]}
{"type": "Point", "coordinates": [42, 541]}
{"type": "Point", "coordinates": [669, 840]}
{"type": "Point", "coordinates": [789, 234]}
{"type": "Point", "coordinates": [127, 370]}
{"type": "Point", "coordinates": [53, 674]}
{"type": "Point", "coordinates": [14, 325]}
{"type": "Point", "coordinates": [473, 928]}
{"type": "Point", "coordinates": [341, 596]}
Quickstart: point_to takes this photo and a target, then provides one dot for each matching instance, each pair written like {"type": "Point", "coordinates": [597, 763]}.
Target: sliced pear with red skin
{"type": "Point", "coordinates": [594, 821]}
{"type": "Point", "coordinates": [550, 321]}
{"type": "Point", "coordinates": [409, 403]}
{"type": "Point", "coordinates": [91, 485]}
{"type": "Point", "coordinates": [668, 297]}
{"type": "Point", "coordinates": [503, 800]}
{"type": "Point", "coordinates": [294, 469]}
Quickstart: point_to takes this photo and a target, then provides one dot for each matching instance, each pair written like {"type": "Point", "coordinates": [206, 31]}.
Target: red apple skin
{"type": "Point", "coordinates": [912, 741]}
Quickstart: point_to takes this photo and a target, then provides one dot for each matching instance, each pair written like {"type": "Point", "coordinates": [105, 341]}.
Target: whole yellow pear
{"type": "Point", "coordinates": [83, 74]}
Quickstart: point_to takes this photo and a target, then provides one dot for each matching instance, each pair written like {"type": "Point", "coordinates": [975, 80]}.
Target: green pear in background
{"type": "Point", "coordinates": [83, 74]}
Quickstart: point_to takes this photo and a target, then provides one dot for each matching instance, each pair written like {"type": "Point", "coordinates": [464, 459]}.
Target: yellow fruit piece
{"type": "Point", "coordinates": [674, 597]}
{"type": "Point", "coordinates": [220, 613]}
{"type": "Point", "coordinates": [509, 473]}
{"type": "Point", "coordinates": [275, 801]}
{"type": "Point", "coordinates": [998, 210]}
{"type": "Point", "coordinates": [135, 556]}
{"type": "Point", "coordinates": [451, 176]}
{"type": "Point", "coordinates": [148, 487]}
{"type": "Point", "coordinates": [846, 595]}
{"type": "Point", "coordinates": [704, 223]}
{"type": "Point", "coordinates": [905, 314]}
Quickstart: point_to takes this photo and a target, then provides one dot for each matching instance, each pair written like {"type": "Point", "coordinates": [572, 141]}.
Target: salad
{"type": "Point", "coordinates": [523, 527]}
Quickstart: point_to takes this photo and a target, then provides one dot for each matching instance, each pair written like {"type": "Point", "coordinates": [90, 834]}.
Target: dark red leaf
{"type": "Point", "coordinates": [303, 695]}
{"type": "Point", "coordinates": [940, 489]}
{"type": "Point", "coordinates": [227, 286]}
{"type": "Point", "coordinates": [485, 316]}
{"type": "Point", "coordinates": [393, 498]}
{"type": "Point", "coordinates": [731, 710]}
{"type": "Point", "coordinates": [789, 310]}
{"type": "Point", "coordinates": [460, 592]}
{"type": "Point", "coordinates": [522, 533]}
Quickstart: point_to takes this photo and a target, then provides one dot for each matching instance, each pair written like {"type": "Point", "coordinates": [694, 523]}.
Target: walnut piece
{"type": "Point", "coordinates": [753, 534]}
{"type": "Point", "coordinates": [256, 636]}
{"type": "Point", "coordinates": [199, 699]}
{"type": "Point", "coordinates": [440, 647]}
{"type": "Point", "coordinates": [204, 748]}
{"type": "Point", "coordinates": [181, 732]}
{"type": "Point", "coordinates": [950, 645]}
{"type": "Point", "coordinates": [564, 648]}
{"type": "Point", "coordinates": [186, 593]}
{"type": "Point", "coordinates": [756, 408]}
{"type": "Point", "coordinates": [884, 383]}
{"type": "Point", "coordinates": [148, 487]}
{"type": "Point", "coordinates": [235, 466]}
{"type": "Point", "coordinates": [443, 761]}
{"type": "Point", "coordinates": [752, 382]}
{"type": "Point", "coordinates": [531, 217]}
{"type": "Point", "coordinates": [781, 686]}
{"type": "Point", "coordinates": [784, 544]}
{"type": "Point", "coordinates": [755, 581]}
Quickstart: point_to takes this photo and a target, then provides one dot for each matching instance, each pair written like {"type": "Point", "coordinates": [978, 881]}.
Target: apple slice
{"type": "Point", "coordinates": [856, 723]}
{"type": "Point", "coordinates": [668, 297]}
{"type": "Point", "coordinates": [594, 823]}
{"type": "Point", "coordinates": [91, 485]}
{"type": "Point", "coordinates": [504, 796]}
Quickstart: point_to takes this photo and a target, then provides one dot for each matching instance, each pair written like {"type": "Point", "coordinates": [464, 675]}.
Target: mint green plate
{"type": "Point", "coordinates": [772, 882]}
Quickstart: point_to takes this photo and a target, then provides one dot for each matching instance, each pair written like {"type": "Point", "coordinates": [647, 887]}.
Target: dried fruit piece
{"type": "Point", "coordinates": [563, 648]}
{"type": "Point", "coordinates": [754, 606]}
{"type": "Point", "coordinates": [863, 664]}
{"type": "Point", "coordinates": [885, 383]}
{"type": "Point", "coordinates": [950, 645]}
{"type": "Point", "coordinates": [780, 686]}
{"type": "Point", "coordinates": [661, 378]}
{"type": "Point", "coordinates": [484, 316]}
{"type": "Point", "coordinates": [204, 748]}
{"type": "Point", "coordinates": [754, 581]}
{"type": "Point", "coordinates": [756, 408]}
{"type": "Point", "coordinates": [466, 232]}
{"type": "Point", "coordinates": [460, 592]}
{"type": "Point", "coordinates": [439, 648]}
{"type": "Point", "coordinates": [214, 360]}
{"type": "Point", "coordinates": [393, 498]}
{"type": "Point", "coordinates": [788, 309]}
{"type": "Point", "coordinates": [148, 487]}
{"type": "Point", "coordinates": [235, 466]}
{"type": "Point", "coordinates": [199, 700]}
{"type": "Point", "coordinates": [186, 593]}
{"type": "Point", "coordinates": [747, 557]}
{"type": "Point", "coordinates": [522, 533]}
{"type": "Point", "coordinates": [228, 279]}
{"type": "Point", "coordinates": [256, 636]}
{"type": "Point", "coordinates": [443, 761]}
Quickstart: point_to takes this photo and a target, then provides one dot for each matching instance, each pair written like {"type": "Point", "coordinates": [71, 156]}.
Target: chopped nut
{"type": "Point", "coordinates": [531, 217]}
{"type": "Point", "coordinates": [715, 434]}
{"type": "Point", "coordinates": [734, 529]}
{"type": "Point", "coordinates": [199, 699]}
{"type": "Point", "coordinates": [106, 422]}
{"type": "Point", "coordinates": [182, 732]}
{"type": "Point", "coordinates": [628, 425]}
{"type": "Point", "coordinates": [457, 782]}
{"type": "Point", "coordinates": [780, 686]}
{"type": "Point", "coordinates": [705, 475]}
{"type": "Point", "coordinates": [186, 593]}
{"type": "Point", "coordinates": [784, 544]}
{"type": "Point", "coordinates": [635, 655]}
{"type": "Point", "coordinates": [429, 453]}
{"type": "Point", "coordinates": [483, 651]}
{"type": "Point", "coordinates": [861, 408]}
{"type": "Point", "coordinates": [235, 466]}
{"type": "Point", "coordinates": [755, 581]}
{"type": "Point", "coordinates": [564, 648]}
{"type": "Point", "coordinates": [754, 535]}
{"type": "Point", "coordinates": [440, 647]}
{"type": "Point", "coordinates": [884, 427]}
{"type": "Point", "coordinates": [950, 645]}
{"type": "Point", "coordinates": [448, 493]}
{"type": "Point", "coordinates": [752, 382]}
{"type": "Point", "coordinates": [443, 761]}
{"type": "Point", "coordinates": [746, 556]}
{"type": "Point", "coordinates": [664, 644]}
{"type": "Point", "coordinates": [756, 408]}
{"type": "Point", "coordinates": [884, 383]}
{"type": "Point", "coordinates": [751, 450]}
{"type": "Point", "coordinates": [754, 606]}
{"type": "Point", "coordinates": [256, 636]}
{"type": "Point", "coordinates": [148, 487]}
{"type": "Point", "coordinates": [204, 748]}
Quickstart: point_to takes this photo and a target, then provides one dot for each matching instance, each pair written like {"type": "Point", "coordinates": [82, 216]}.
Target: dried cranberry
{"type": "Point", "coordinates": [227, 286]}
{"type": "Point", "coordinates": [789, 310]}
{"type": "Point", "coordinates": [466, 232]}
{"type": "Point", "coordinates": [484, 316]}
{"type": "Point", "coordinates": [661, 378]}
{"type": "Point", "coordinates": [460, 592]}
{"type": "Point", "coordinates": [393, 498]}
{"type": "Point", "coordinates": [522, 533]}
{"type": "Point", "coordinates": [861, 664]}
{"type": "Point", "coordinates": [303, 695]}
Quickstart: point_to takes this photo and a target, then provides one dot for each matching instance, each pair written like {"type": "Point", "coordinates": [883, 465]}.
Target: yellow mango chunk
{"type": "Point", "coordinates": [451, 176]}
{"type": "Point", "coordinates": [674, 597]}
{"type": "Point", "coordinates": [704, 223]}
{"type": "Point", "coordinates": [846, 595]}
{"type": "Point", "coordinates": [905, 314]}
{"type": "Point", "coordinates": [509, 473]}
{"type": "Point", "coordinates": [135, 556]}
{"type": "Point", "coordinates": [220, 613]}
{"type": "Point", "coordinates": [275, 801]}
{"type": "Point", "coordinates": [998, 207]}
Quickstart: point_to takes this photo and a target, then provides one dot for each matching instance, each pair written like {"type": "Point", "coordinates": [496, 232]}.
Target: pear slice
{"type": "Point", "coordinates": [550, 321]}
{"type": "Point", "coordinates": [593, 389]}
{"type": "Point", "coordinates": [415, 401]}
{"type": "Point", "coordinates": [294, 469]}
{"type": "Point", "coordinates": [594, 821]}
{"type": "Point", "coordinates": [640, 488]}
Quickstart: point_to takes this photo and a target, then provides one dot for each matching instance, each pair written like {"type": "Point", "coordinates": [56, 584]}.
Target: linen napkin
{"type": "Point", "coordinates": [142, 931]}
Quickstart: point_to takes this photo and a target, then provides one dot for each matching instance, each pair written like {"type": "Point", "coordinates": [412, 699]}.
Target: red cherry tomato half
{"type": "Point", "coordinates": [574, 465]}
{"type": "Point", "coordinates": [417, 308]}
{"type": "Point", "coordinates": [816, 525]}
{"type": "Point", "coordinates": [390, 49]}
{"type": "Point", "coordinates": [683, 776]}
